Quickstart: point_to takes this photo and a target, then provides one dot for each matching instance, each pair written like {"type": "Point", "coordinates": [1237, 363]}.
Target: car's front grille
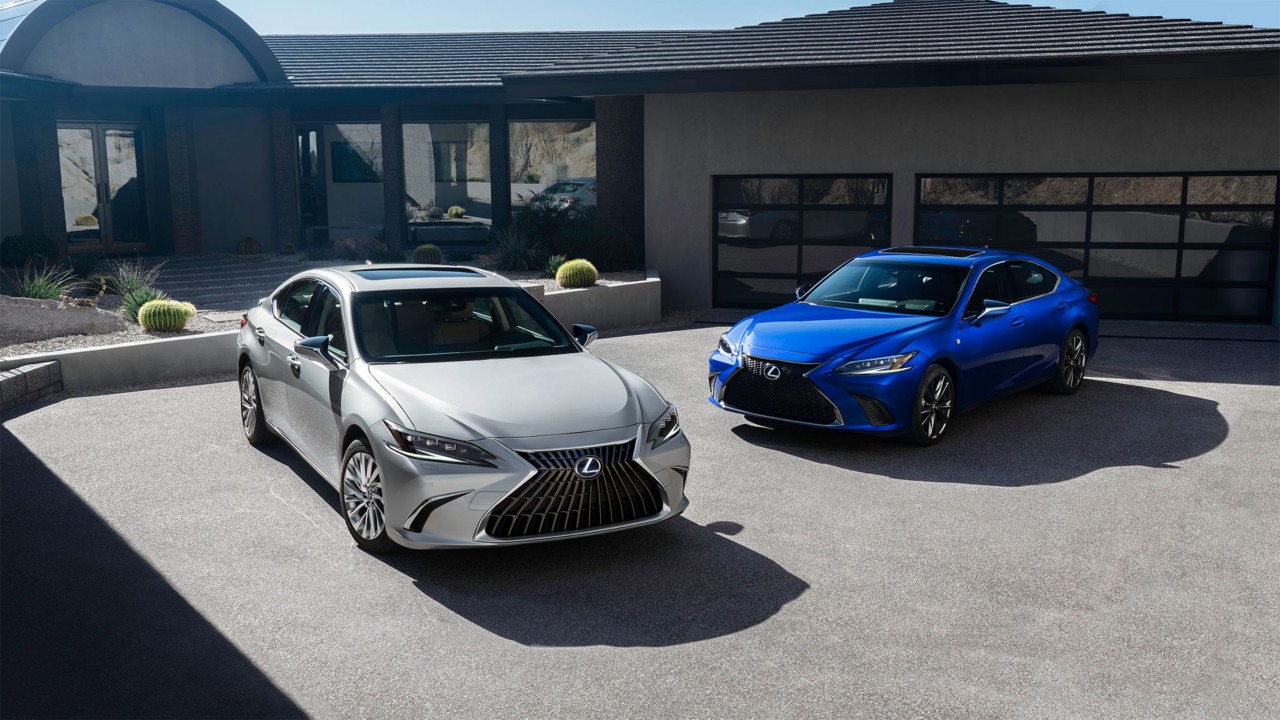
{"type": "Point", "coordinates": [789, 395]}
{"type": "Point", "coordinates": [558, 499]}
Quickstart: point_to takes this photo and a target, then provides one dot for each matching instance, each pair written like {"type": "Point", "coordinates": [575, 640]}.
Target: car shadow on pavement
{"type": "Point", "coordinates": [1031, 438]}
{"type": "Point", "coordinates": [89, 629]}
{"type": "Point", "coordinates": [668, 584]}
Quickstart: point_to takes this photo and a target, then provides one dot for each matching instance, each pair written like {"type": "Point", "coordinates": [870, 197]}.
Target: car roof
{"type": "Point", "coordinates": [946, 255]}
{"type": "Point", "coordinates": [406, 276]}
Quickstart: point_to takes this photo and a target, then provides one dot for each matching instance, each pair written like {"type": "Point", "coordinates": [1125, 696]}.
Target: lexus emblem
{"type": "Point", "coordinates": [588, 467]}
{"type": "Point", "coordinates": [773, 372]}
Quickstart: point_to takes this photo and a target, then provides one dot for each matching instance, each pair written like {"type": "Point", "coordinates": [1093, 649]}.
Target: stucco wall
{"type": "Point", "coordinates": [138, 43]}
{"type": "Point", "coordinates": [234, 165]}
{"type": "Point", "coordinates": [10, 212]}
{"type": "Point", "coordinates": [1175, 126]}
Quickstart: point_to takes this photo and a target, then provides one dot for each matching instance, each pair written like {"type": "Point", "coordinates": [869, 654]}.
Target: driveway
{"type": "Point", "coordinates": [1110, 554]}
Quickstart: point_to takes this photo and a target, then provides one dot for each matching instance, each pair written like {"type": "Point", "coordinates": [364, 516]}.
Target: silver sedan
{"type": "Point", "coordinates": [450, 408]}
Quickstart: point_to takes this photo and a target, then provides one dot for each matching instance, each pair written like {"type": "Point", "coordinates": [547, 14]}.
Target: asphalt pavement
{"type": "Point", "coordinates": [1111, 554]}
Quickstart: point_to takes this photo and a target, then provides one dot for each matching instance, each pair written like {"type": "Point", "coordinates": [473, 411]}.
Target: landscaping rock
{"type": "Point", "coordinates": [26, 320]}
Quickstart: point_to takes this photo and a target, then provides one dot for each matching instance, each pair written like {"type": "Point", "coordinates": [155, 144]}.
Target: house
{"type": "Point", "coordinates": [1139, 154]}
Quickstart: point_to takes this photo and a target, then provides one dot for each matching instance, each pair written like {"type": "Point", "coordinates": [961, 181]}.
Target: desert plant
{"type": "Point", "coordinates": [515, 249]}
{"type": "Point", "coordinates": [83, 265]}
{"type": "Point", "coordinates": [553, 265]}
{"type": "Point", "coordinates": [131, 275]}
{"type": "Point", "coordinates": [165, 315]}
{"type": "Point", "coordinates": [132, 302]}
{"type": "Point", "coordinates": [434, 213]}
{"type": "Point", "coordinates": [86, 220]}
{"type": "Point", "coordinates": [18, 250]}
{"type": "Point", "coordinates": [577, 274]}
{"type": "Point", "coordinates": [44, 282]}
{"type": "Point", "coordinates": [457, 211]}
{"type": "Point", "coordinates": [428, 254]}
{"type": "Point", "coordinates": [248, 246]}
{"type": "Point", "coordinates": [289, 249]}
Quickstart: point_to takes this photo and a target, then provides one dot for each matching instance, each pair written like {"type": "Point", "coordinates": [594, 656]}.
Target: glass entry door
{"type": "Point", "coordinates": [102, 197]}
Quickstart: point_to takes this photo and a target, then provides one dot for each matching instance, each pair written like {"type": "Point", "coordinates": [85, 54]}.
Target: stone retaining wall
{"type": "Point", "coordinates": [28, 383]}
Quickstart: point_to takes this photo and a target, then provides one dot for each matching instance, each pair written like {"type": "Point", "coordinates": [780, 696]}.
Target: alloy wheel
{"type": "Point", "coordinates": [248, 401]}
{"type": "Point", "coordinates": [362, 495]}
{"type": "Point", "coordinates": [935, 407]}
{"type": "Point", "coordinates": [1074, 358]}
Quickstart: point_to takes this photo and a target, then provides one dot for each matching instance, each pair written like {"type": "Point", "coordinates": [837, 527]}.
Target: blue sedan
{"type": "Point", "coordinates": [897, 341]}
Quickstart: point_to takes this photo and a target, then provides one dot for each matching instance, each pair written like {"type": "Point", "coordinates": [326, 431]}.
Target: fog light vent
{"type": "Point", "coordinates": [876, 412]}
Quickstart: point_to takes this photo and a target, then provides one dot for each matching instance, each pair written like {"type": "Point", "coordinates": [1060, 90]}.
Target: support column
{"type": "Point", "coordinates": [395, 224]}
{"type": "Point", "coordinates": [184, 196]}
{"type": "Point", "coordinates": [620, 166]}
{"type": "Point", "coordinates": [35, 140]}
{"type": "Point", "coordinates": [499, 167]}
{"type": "Point", "coordinates": [284, 155]}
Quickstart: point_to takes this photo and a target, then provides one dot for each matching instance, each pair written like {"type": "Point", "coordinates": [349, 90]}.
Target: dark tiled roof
{"type": "Point", "coordinates": [439, 60]}
{"type": "Point", "coordinates": [924, 31]}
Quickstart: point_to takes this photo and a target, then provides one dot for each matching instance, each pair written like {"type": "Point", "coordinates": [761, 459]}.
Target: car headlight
{"type": "Point", "coordinates": [667, 427]}
{"type": "Point", "coordinates": [436, 449]}
{"type": "Point", "coordinates": [877, 366]}
{"type": "Point", "coordinates": [725, 346]}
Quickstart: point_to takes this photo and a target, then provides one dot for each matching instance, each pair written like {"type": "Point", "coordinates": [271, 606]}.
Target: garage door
{"type": "Point", "coordinates": [773, 233]}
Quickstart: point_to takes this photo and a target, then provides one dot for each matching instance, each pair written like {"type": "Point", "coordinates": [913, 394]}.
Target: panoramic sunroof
{"type": "Point", "coordinates": [425, 273]}
{"type": "Point", "coordinates": [945, 252]}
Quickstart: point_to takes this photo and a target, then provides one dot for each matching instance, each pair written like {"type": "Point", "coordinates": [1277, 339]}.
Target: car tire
{"type": "Point", "coordinates": [934, 407]}
{"type": "Point", "coordinates": [252, 421]}
{"type": "Point", "coordinates": [1072, 361]}
{"type": "Point", "coordinates": [360, 498]}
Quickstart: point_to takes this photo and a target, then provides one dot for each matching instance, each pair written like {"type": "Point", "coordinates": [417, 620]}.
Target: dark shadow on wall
{"type": "Point", "coordinates": [673, 583]}
{"type": "Point", "coordinates": [1031, 438]}
{"type": "Point", "coordinates": [89, 629]}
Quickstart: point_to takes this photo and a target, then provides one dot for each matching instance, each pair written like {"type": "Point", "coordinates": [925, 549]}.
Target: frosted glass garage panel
{"type": "Point", "coordinates": [1158, 190]}
{"type": "Point", "coordinates": [1136, 263]}
{"type": "Point", "coordinates": [1148, 301]}
{"type": "Point", "coordinates": [1231, 228]}
{"type": "Point", "coordinates": [822, 259]}
{"type": "Point", "coordinates": [959, 191]}
{"type": "Point", "coordinates": [744, 258]}
{"type": "Point", "coordinates": [1046, 190]}
{"type": "Point", "coordinates": [1231, 190]}
{"type": "Point", "coordinates": [1227, 265]}
{"type": "Point", "coordinates": [1244, 304]}
{"type": "Point", "coordinates": [757, 191]}
{"type": "Point", "coordinates": [1147, 226]}
{"type": "Point", "coordinates": [754, 292]}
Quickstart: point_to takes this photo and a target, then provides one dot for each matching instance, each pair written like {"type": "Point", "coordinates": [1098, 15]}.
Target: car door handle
{"type": "Point", "coordinates": [295, 364]}
{"type": "Point", "coordinates": [1064, 305]}
{"type": "Point", "coordinates": [262, 335]}
{"type": "Point", "coordinates": [1018, 322]}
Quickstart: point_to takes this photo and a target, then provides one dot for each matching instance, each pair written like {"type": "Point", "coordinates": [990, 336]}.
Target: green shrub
{"type": "Point", "coordinates": [83, 265]}
{"type": "Point", "coordinates": [428, 255]}
{"type": "Point", "coordinates": [165, 315]}
{"type": "Point", "coordinates": [577, 274]}
{"type": "Point", "coordinates": [434, 213]}
{"type": "Point", "coordinates": [515, 249]}
{"type": "Point", "coordinates": [18, 250]}
{"type": "Point", "coordinates": [553, 265]}
{"type": "Point", "coordinates": [45, 282]}
{"type": "Point", "coordinates": [133, 301]}
{"type": "Point", "coordinates": [457, 211]}
{"type": "Point", "coordinates": [131, 275]}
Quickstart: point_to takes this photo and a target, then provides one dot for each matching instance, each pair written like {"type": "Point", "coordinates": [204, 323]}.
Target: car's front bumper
{"type": "Point", "coordinates": [878, 403]}
{"type": "Point", "coordinates": [435, 505]}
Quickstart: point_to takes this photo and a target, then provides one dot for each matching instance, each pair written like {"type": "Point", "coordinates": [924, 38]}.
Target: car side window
{"type": "Point", "coordinates": [293, 303]}
{"type": "Point", "coordinates": [1030, 280]}
{"type": "Point", "coordinates": [993, 285]}
{"type": "Point", "coordinates": [329, 323]}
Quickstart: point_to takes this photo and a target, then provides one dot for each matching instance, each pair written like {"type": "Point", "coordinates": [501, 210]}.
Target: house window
{"type": "Point", "coordinates": [446, 165]}
{"type": "Point", "coordinates": [774, 233]}
{"type": "Point", "coordinates": [1154, 246]}
{"type": "Point", "coordinates": [549, 157]}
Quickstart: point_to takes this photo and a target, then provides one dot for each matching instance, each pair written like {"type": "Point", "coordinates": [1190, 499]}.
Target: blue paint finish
{"type": "Point", "coordinates": [994, 357]}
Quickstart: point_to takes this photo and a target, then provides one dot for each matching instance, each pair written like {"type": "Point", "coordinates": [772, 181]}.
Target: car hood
{"type": "Point", "coordinates": [513, 397]}
{"type": "Point", "coordinates": [804, 332]}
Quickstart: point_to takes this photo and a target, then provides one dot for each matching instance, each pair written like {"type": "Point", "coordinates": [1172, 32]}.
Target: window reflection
{"type": "Point", "coordinates": [1231, 190]}
{"type": "Point", "coordinates": [758, 191]}
{"type": "Point", "coordinates": [1146, 226]}
{"type": "Point", "coordinates": [841, 224]}
{"type": "Point", "coordinates": [755, 258]}
{"type": "Point", "coordinates": [758, 224]}
{"type": "Point", "coordinates": [1158, 190]}
{"type": "Point", "coordinates": [1226, 265]}
{"type": "Point", "coordinates": [949, 227]}
{"type": "Point", "coordinates": [1046, 191]}
{"type": "Point", "coordinates": [1223, 303]}
{"type": "Point", "coordinates": [545, 153]}
{"type": "Point", "coordinates": [959, 191]}
{"type": "Point", "coordinates": [1057, 226]}
{"type": "Point", "coordinates": [845, 191]}
{"type": "Point", "coordinates": [1132, 263]}
{"type": "Point", "coordinates": [822, 259]}
{"type": "Point", "coordinates": [1233, 227]}
{"type": "Point", "coordinates": [446, 165]}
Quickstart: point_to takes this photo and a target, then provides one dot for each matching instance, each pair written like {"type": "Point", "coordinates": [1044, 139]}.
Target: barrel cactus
{"type": "Point", "coordinates": [131, 301]}
{"type": "Point", "coordinates": [456, 211]}
{"type": "Point", "coordinates": [86, 220]}
{"type": "Point", "coordinates": [428, 255]}
{"type": "Point", "coordinates": [434, 213]}
{"type": "Point", "coordinates": [577, 274]}
{"type": "Point", "coordinates": [165, 315]}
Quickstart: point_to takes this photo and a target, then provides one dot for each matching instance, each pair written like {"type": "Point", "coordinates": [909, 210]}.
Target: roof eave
{"type": "Point", "coordinates": [1162, 66]}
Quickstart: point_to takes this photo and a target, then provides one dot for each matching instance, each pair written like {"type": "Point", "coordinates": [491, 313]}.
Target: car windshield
{"type": "Point", "coordinates": [896, 287]}
{"type": "Point", "coordinates": [440, 325]}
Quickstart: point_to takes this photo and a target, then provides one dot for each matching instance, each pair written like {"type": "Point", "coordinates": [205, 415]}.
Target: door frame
{"type": "Point", "coordinates": [102, 181]}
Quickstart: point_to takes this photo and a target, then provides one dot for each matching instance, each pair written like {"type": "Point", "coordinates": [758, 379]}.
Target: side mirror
{"type": "Point", "coordinates": [800, 291]}
{"type": "Point", "coordinates": [316, 348]}
{"type": "Point", "coordinates": [991, 309]}
{"type": "Point", "coordinates": [585, 334]}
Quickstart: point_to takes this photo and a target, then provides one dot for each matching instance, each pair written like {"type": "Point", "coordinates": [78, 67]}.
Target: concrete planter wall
{"type": "Point", "coordinates": [139, 362]}
{"type": "Point", "coordinates": [609, 306]}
